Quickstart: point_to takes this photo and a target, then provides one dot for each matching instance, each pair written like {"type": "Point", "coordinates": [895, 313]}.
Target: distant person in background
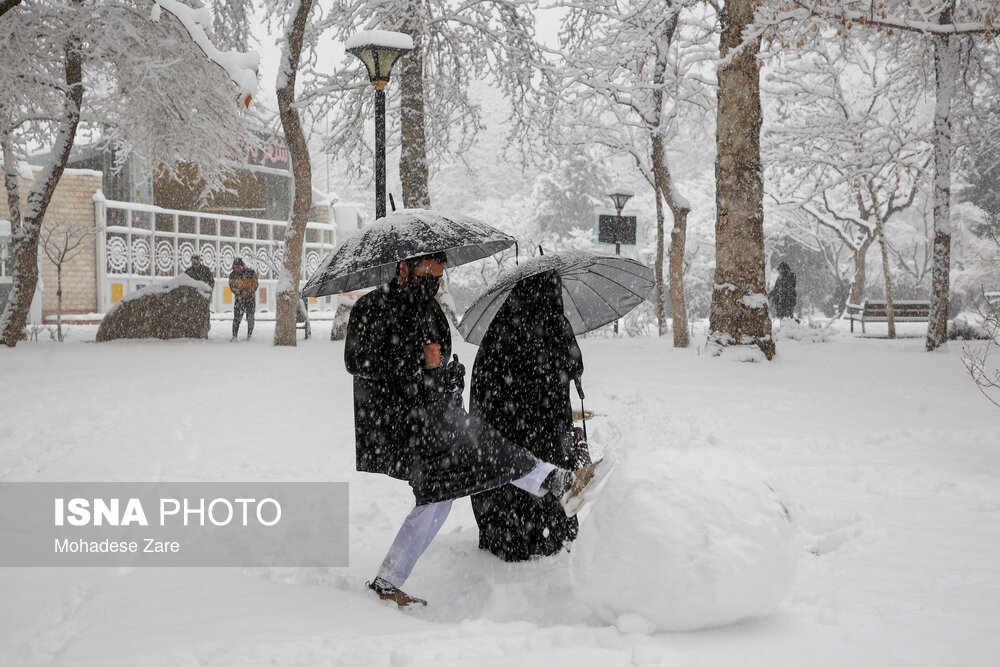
{"type": "Point", "coordinates": [521, 387]}
{"type": "Point", "coordinates": [783, 293]}
{"type": "Point", "coordinates": [199, 271]}
{"type": "Point", "coordinates": [243, 283]}
{"type": "Point", "coordinates": [840, 295]}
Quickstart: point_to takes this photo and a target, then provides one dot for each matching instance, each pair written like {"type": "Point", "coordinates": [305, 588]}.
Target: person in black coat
{"type": "Point", "coordinates": [199, 271]}
{"type": "Point", "coordinates": [783, 292]}
{"type": "Point", "coordinates": [521, 387]}
{"type": "Point", "coordinates": [410, 424]}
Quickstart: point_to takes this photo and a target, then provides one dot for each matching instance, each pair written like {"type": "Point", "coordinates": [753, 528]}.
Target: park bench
{"type": "Point", "coordinates": [302, 317]}
{"type": "Point", "coordinates": [878, 311]}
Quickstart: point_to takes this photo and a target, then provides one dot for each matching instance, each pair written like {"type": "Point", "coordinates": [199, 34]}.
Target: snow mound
{"type": "Point", "coordinates": [789, 329]}
{"type": "Point", "coordinates": [684, 540]}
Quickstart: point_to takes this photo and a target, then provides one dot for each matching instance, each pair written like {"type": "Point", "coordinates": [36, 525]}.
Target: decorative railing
{"type": "Point", "coordinates": [140, 244]}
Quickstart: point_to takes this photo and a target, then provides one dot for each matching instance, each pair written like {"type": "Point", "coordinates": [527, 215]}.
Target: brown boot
{"type": "Point", "coordinates": [387, 591]}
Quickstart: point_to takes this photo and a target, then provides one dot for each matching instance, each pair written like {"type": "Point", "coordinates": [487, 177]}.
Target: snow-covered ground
{"type": "Point", "coordinates": [888, 457]}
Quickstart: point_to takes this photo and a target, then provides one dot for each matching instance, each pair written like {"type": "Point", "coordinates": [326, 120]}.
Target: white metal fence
{"type": "Point", "coordinates": [141, 244]}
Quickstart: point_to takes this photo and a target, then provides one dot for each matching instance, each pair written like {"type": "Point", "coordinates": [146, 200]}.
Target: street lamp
{"type": "Point", "coordinates": [379, 50]}
{"type": "Point", "coordinates": [619, 198]}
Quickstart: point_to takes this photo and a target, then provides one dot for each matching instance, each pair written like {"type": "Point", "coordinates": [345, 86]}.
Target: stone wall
{"type": "Point", "coordinates": [71, 203]}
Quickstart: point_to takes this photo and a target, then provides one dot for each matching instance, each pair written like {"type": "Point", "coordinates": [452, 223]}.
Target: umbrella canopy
{"type": "Point", "coordinates": [370, 257]}
{"type": "Point", "coordinates": [596, 289]}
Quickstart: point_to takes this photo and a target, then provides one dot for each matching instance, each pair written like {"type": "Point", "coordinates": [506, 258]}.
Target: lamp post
{"type": "Point", "coordinates": [379, 50]}
{"type": "Point", "coordinates": [619, 198]}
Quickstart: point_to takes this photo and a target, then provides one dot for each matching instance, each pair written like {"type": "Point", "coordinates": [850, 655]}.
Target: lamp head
{"type": "Point", "coordinates": [379, 50]}
{"type": "Point", "coordinates": [619, 198]}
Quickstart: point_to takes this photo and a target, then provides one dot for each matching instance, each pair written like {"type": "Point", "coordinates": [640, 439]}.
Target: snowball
{"type": "Point", "coordinates": [685, 539]}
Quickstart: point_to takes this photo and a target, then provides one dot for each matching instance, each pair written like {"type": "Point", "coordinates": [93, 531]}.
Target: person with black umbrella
{"type": "Point", "coordinates": [521, 387]}
{"type": "Point", "coordinates": [409, 422]}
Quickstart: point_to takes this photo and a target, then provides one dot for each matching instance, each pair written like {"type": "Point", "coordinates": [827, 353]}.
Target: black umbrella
{"type": "Point", "coordinates": [596, 289]}
{"type": "Point", "coordinates": [370, 257]}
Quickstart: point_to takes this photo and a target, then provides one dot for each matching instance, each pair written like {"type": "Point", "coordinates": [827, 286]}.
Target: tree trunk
{"type": "Point", "coordinates": [678, 238]}
{"type": "Point", "coordinates": [945, 72]}
{"type": "Point", "coordinates": [413, 172]}
{"type": "Point", "coordinates": [291, 271]}
{"type": "Point", "coordinates": [11, 186]}
{"type": "Point", "coordinates": [663, 188]}
{"type": "Point", "coordinates": [59, 301]}
{"type": "Point", "coordinates": [658, 295]}
{"type": "Point", "coordinates": [25, 239]}
{"type": "Point", "coordinates": [891, 316]}
{"type": "Point", "coordinates": [860, 262]}
{"type": "Point", "coordinates": [737, 317]}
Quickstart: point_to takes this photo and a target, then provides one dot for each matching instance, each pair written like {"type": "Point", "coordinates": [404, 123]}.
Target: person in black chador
{"type": "Point", "coordinates": [520, 386]}
{"type": "Point", "coordinates": [783, 292]}
{"type": "Point", "coordinates": [409, 422]}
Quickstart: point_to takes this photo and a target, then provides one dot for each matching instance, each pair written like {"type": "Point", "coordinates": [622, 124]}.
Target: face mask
{"type": "Point", "coordinates": [427, 286]}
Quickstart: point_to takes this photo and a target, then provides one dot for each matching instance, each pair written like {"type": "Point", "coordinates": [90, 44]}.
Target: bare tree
{"type": "Point", "coordinates": [62, 242]}
{"type": "Point", "coordinates": [634, 101]}
{"type": "Point", "coordinates": [981, 361]}
{"type": "Point", "coordinates": [288, 282]}
{"type": "Point", "coordinates": [945, 25]}
{"type": "Point", "coordinates": [156, 86]}
{"type": "Point", "coordinates": [852, 146]}
{"type": "Point", "coordinates": [25, 230]}
{"type": "Point", "coordinates": [455, 44]}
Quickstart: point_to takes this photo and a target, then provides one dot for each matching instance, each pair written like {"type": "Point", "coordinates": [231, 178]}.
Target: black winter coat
{"type": "Point", "coordinates": [202, 273]}
{"type": "Point", "coordinates": [783, 294]}
{"type": "Point", "coordinates": [408, 421]}
{"type": "Point", "coordinates": [521, 386]}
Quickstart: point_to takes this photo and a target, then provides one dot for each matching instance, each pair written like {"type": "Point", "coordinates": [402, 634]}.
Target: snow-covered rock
{"type": "Point", "coordinates": [684, 540]}
{"type": "Point", "coordinates": [176, 308]}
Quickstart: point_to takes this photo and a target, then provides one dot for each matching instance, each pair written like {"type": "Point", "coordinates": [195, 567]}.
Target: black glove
{"type": "Point", "coordinates": [454, 375]}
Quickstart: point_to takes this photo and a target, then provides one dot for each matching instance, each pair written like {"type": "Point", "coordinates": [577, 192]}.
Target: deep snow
{"type": "Point", "coordinates": [888, 456]}
{"type": "Point", "coordinates": [684, 539]}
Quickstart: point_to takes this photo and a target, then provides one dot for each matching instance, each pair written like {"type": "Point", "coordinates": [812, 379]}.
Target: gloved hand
{"type": "Point", "coordinates": [454, 375]}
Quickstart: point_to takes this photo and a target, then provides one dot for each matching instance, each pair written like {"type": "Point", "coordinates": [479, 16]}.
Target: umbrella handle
{"type": "Point", "coordinates": [583, 413]}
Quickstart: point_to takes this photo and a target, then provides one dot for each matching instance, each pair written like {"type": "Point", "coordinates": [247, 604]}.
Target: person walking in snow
{"type": "Point", "coordinates": [783, 293]}
{"type": "Point", "coordinates": [243, 284]}
{"type": "Point", "coordinates": [840, 296]}
{"type": "Point", "coordinates": [409, 422]}
{"type": "Point", "coordinates": [521, 387]}
{"type": "Point", "coordinates": [199, 271]}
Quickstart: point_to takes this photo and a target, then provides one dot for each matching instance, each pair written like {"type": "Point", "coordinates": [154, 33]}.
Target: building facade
{"type": "Point", "coordinates": [138, 243]}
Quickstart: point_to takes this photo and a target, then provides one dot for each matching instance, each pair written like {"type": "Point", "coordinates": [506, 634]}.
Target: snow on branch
{"type": "Point", "coordinates": [241, 67]}
{"type": "Point", "coordinates": [838, 12]}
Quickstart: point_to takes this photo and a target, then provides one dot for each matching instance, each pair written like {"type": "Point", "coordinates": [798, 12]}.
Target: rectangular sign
{"type": "Point", "coordinates": [203, 524]}
{"type": "Point", "coordinates": [616, 229]}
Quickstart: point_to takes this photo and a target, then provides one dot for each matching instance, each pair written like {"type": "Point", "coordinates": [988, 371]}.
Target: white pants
{"type": "Point", "coordinates": [424, 521]}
